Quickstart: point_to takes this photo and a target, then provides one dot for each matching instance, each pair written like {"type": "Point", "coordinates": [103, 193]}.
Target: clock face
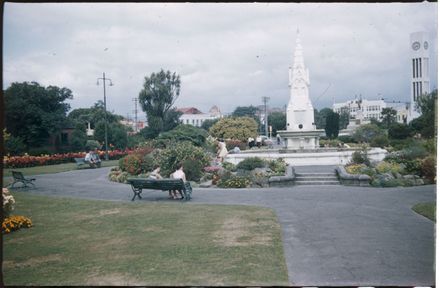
{"type": "Point", "coordinates": [416, 46]}
{"type": "Point", "coordinates": [425, 45]}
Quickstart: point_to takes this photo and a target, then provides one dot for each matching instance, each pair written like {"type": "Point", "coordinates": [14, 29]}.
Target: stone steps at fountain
{"type": "Point", "coordinates": [316, 179]}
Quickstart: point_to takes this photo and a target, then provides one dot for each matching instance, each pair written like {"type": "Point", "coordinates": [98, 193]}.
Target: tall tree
{"type": "Point", "coordinates": [321, 117]}
{"type": "Point", "coordinates": [332, 125]}
{"type": "Point", "coordinates": [388, 117]}
{"type": "Point", "coordinates": [278, 121]}
{"type": "Point", "coordinates": [426, 124]}
{"type": "Point", "coordinates": [344, 118]}
{"type": "Point", "coordinates": [247, 111]}
{"type": "Point", "coordinates": [157, 96]}
{"type": "Point", "coordinates": [33, 112]}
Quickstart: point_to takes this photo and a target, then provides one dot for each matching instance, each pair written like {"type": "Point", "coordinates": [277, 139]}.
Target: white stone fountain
{"type": "Point", "coordinates": [301, 138]}
{"type": "Point", "coordinates": [301, 132]}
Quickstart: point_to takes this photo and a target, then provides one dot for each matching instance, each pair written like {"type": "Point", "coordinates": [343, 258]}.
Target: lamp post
{"type": "Point", "coordinates": [105, 111]}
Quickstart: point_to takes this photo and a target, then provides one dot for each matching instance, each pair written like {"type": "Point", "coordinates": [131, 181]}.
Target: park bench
{"type": "Point", "coordinates": [18, 177]}
{"type": "Point", "coordinates": [137, 184]}
{"type": "Point", "coordinates": [80, 162]}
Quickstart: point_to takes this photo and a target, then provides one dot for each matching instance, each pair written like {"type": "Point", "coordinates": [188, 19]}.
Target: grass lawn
{"type": "Point", "coordinates": [49, 169]}
{"type": "Point", "coordinates": [88, 242]}
{"type": "Point", "coordinates": [426, 209]}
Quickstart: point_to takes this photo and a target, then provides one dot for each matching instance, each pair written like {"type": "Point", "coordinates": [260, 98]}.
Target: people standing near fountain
{"type": "Point", "coordinates": [259, 141]}
{"type": "Point", "coordinates": [221, 150]}
{"type": "Point", "coordinates": [278, 139]}
{"type": "Point", "coordinates": [251, 142]}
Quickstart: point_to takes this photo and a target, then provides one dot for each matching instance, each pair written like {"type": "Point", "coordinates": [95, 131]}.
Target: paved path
{"type": "Point", "coordinates": [333, 235]}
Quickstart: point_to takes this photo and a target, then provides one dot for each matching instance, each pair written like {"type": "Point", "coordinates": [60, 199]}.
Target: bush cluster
{"type": "Point", "coordinates": [278, 166]}
{"type": "Point", "coordinates": [194, 159]}
{"type": "Point", "coordinates": [14, 223]}
{"type": "Point", "coordinates": [251, 163]}
{"type": "Point", "coordinates": [234, 182]}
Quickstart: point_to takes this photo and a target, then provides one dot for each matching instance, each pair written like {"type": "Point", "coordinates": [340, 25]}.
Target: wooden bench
{"type": "Point", "coordinates": [18, 177]}
{"type": "Point", "coordinates": [137, 184]}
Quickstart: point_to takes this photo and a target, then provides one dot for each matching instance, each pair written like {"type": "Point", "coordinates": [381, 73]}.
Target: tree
{"type": "Point", "coordinates": [321, 116]}
{"type": "Point", "coordinates": [399, 131]}
{"type": "Point", "coordinates": [247, 111]}
{"type": "Point", "coordinates": [34, 112]}
{"type": "Point", "coordinates": [332, 125]}
{"type": "Point", "coordinates": [92, 115]}
{"type": "Point", "coordinates": [185, 132]}
{"type": "Point", "coordinates": [277, 120]}
{"type": "Point", "coordinates": [366, 132]}
{"type": "Point", "coordinates": [427, 122]}
{"type": "Point", "coordinates": [388, 116]}
{"type": "Point", "coordinates": [344, 118]}
{"type": "Point", "coordinates": [156, 98]}
{"type": "Point", "coordinates": [116, 134]}
{"type": "Point", "coordinates": [208, 123]}
{"type": "Point", "coordinates": [238, 128]}
{"type": "Point", "coordinates": [79, 138]}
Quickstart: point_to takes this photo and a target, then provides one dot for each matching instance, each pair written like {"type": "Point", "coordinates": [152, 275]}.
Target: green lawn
{"type": "Point", "coordinates": [426, 209]}
{"type": "Point", "coordinates": [49, 169]}
{"type": "Point", "coordinates": [86, 242]}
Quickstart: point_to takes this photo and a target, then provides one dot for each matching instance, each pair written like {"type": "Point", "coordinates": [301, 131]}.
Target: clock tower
{"type": "Point", "coordinates": [420, 81]}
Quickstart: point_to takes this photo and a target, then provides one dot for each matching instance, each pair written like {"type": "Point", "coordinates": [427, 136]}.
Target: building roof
{"type": "Point", "coordinates": [189, 110]}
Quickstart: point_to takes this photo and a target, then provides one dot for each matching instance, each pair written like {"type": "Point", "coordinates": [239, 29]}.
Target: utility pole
{"type": "Point", "coordinates": [135, 114]}
{"type": "Point", "coordinates": [265, 100]}
{"type": "Point", "coordinates": [105, 110]}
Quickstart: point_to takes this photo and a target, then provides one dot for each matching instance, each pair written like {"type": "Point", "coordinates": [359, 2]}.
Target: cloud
{"type": "Point", "coordinates": [227, 54]}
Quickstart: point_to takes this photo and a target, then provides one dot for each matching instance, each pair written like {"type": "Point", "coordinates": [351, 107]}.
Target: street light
{"type": "Point", "coordinates": [105, 110]}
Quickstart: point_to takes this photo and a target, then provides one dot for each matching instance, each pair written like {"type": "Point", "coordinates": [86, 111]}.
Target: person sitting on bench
{"type": "Point", "coordinates": [178, 174]}
{"type": "Point", "coordinates": [93, 159]}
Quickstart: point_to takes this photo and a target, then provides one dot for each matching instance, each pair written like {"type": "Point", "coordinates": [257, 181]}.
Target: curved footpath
{"type": "Point", "coordinates": [333, 235]}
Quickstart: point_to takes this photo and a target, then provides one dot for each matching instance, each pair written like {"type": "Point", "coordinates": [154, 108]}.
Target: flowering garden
{"type": "Point", "coordinates": [31, 161]}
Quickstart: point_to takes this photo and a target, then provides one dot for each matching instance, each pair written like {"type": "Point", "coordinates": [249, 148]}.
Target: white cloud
{"type": "Point", "coordinates": [226, 54]}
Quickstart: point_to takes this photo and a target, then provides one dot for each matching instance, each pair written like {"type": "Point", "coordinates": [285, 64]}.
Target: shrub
{"type": "Point", "coordinates": [346, 139]}
{"type": "Point", "coordinates": [428, 168]}
{"type": "Point", "coordinates": [399, 131]}
{"type": "Point", "coordinates": [169, 158]}
{"type": "Point", "coordinates": [251, 163]}
{"type": "Point", "coordinates": [185, 132]}
{"type": "Point", "coordinates": [431, 145]}
{"type": "Point", "coordinates": [234, 182]}
{"type": "Point", "coordinates": [417, 150]}
{"type": "Point", "coordinates": [380, 141]}
{"type": "Point", "coordinates": [193, 170]}
{"type": "Point", "coordinates": [389, 167]}
{"type": "Point", "coordinates": [148, 162]}
{"type": "Point", "coordinates": [131, 164]}
{"type": "Point", "coordinates": [360, 157]}
{"type": "Point", "coordinates": [229, 166]}
{"type": "Point", "coordinates": [14, 223]}
{"type": "Point", "coordinates": [330, 142]}
{"type": "Point", "coordinates": [354, 168]}
{"type": "Point", "coordinates": [278, 166]}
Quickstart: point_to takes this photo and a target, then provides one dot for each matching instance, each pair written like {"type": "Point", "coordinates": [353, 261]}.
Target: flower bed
{"type": "Point", "coordinates": [14, 223]}
{"type": "Point", "coordinates": [31, 161]}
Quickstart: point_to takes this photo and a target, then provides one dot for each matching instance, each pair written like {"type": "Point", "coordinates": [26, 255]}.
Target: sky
{"type": "Point", "coordinates": [227, 54]}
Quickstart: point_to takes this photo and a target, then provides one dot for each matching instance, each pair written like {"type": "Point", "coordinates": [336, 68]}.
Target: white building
{"type": "Point", "coordinates": [420, 80]}
{"type": "Point", "coordinates": [135, 126]}
{"type": "Point", "coordinates": [195, 117]}
{"type": "Point", "coordinates": [364, 110]}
